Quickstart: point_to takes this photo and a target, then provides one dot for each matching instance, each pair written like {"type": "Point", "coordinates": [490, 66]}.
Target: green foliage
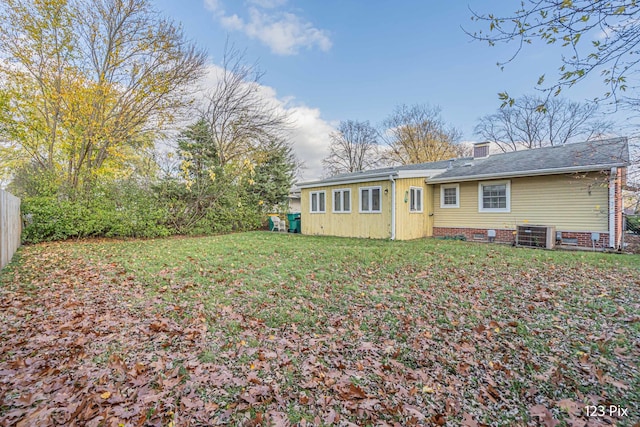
{"type": "Point", "coordinates": [273, 177]}
{"type": "Point", "coordinates": [432, 312]}
{"type": "Point", "coordinates": [613, 55]}
{"type": "Point", "coordinates": [122, 209]}
{"type": "Point", "coordinates": [210, 197]}
{"type": "Point", "coordinates": [206, 197]}
{"type": "Point", "coordinates": [90, 84]}
{"type": "Point", "coordinates": [196, 146]}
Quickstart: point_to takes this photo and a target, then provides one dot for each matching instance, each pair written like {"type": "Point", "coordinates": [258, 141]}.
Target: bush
{"type": "Point", "coordinates": [127, 209]}
{"type": "Point", "coordinates": [124, 210]}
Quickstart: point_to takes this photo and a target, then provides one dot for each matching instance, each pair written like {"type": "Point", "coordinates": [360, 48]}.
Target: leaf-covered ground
{"type": "Point", "coordinates": [272, 329]}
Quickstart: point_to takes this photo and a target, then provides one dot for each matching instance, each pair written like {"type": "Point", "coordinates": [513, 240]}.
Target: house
{"type": "Point", "coordinates": [293, 200]}
{"type": "Point", "coordinates": [575, 188]}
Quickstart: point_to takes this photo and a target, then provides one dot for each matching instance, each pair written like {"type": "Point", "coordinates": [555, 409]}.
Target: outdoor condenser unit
{"type": "Point", "coordinates": [536, 236]}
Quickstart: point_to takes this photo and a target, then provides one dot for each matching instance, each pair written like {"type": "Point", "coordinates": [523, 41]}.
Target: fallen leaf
{"type": "Point", "coordinates": [544, 414]}
{"type": "Point", "coordinates": [468, 421]}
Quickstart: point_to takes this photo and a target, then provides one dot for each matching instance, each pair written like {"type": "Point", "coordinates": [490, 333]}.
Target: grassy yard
{"type": "Point", "coordinates": [275, 329]}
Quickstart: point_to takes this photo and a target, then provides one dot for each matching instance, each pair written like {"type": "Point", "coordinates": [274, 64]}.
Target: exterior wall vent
{"type": "Point", "coordinates": [536, 236]}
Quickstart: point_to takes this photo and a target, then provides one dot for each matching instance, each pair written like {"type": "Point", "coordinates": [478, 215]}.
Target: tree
{"type": "Point", "coordinates": [353, 147]}
{"type": "Point", "coordinates": [196, 146]}
{"type": "Point", "coordinates": [239, 118]}
{"type": "Point", "coordinates": [599, 37]}
{"type": "Point", "coordinates": [273, 178]}
{"type": "Point", "coordinates": [204, 192]}
{"type": "Point", "coordinates": [418, 134]}
{"type": "Point", "coordinates": [90, 83]}
{"type": "Point", "coordinates": [525, 125]}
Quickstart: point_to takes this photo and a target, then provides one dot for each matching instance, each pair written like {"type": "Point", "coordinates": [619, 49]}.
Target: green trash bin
{"type": "Point", "coordinates": [294, 222]}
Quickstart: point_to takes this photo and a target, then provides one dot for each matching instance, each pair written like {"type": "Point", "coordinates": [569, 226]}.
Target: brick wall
{"type": "Point", "coordinates": [507, 236]}
{"type": "Point", "coordinates": [584, 239]}
{"type": "Point", "coordinates": [472, 234]}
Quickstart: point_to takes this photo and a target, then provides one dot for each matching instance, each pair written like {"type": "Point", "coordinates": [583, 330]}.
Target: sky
{"type": "Point", "coordinates": [333, 60]}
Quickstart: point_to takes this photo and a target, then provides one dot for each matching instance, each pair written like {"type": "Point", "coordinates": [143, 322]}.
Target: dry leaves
{"type": "Point", "coordinates": [78, 349]}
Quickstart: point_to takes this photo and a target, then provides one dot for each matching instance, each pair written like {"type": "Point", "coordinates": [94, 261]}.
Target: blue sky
{"type": "Point", "coordinates": [336, 60]}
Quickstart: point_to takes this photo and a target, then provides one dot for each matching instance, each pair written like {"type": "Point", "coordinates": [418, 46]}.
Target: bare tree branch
{"type": "Point", "coordinates": [612, 29]}
{"type": "Point", "coordinates": [354, 147]}
{"type": "Point", "coordinates": [533, 122]}
{"type": "Point", "coordinates": [240, 119]}
{"type": "Point", "coordinates": [418, 134]}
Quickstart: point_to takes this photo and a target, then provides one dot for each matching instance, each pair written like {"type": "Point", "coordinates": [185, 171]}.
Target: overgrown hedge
{"type": "Point", "coordinates": [129, 210]}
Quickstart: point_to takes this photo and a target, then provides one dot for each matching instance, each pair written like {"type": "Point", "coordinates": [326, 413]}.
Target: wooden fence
{"type": "Point", "coordinates": [10, 226]}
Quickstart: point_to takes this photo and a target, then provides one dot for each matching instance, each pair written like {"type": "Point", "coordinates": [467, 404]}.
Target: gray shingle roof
{"type": "Point", "coordinates": [580, 156]}
{"type": "Point", "coordinates": [591, 155]}
{"type": "Point", "coordinates": [390, 170]}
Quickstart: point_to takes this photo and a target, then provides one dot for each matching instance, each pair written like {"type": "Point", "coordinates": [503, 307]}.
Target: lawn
{"type": "Point", "coordinates": [276, 329]}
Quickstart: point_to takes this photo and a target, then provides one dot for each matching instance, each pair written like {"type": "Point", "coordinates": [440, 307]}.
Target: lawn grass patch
{"type": "Point", "coordinates": [271, 327]}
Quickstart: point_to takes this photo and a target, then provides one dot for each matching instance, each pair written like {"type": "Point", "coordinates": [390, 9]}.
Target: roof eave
{"type": "Point", "coordinates": [382, 176]}
{"type": "Point", "coordinates": [349, 180]}
{"type": "Point", "coordinates": [420, 173]}
{"type": "Point", "coordinates": [555, 171]}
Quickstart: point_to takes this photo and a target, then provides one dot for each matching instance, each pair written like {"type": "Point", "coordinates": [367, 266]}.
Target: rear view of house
{"type": "Point", "coordinates": [573, 191]}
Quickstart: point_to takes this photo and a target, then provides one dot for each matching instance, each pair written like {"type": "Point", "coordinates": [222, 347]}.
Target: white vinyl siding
{"type": "Point", "coordinates": [570, 202]}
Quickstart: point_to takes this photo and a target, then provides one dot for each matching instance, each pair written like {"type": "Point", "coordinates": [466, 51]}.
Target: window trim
{"type": "Point", "coordinates": [445, 186]}
{"type": "Point", "coordinates": [420, 190]}
{"type": "Point", "coordinates": [507, 184]}
{"type": "Point", "coordinates": [311, 193]}
{"type": "Point", "coordinates": [342, 192]}
{"type": "Point", "coordinates": [370, 188]}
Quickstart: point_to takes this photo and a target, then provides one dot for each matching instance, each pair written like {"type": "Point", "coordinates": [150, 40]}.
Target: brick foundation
{"type": "Point", "coordinates": [475, 234]}
{"type": "Point", "coordinates": [584, 239]}
{"type": "Point", "coordinates": [507, 236]}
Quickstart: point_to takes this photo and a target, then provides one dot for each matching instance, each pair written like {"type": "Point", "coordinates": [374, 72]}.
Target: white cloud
{"type": "Point", "coordinates": [213, 5]}
{"type": "Point", "coordinates": [268, 4]}
{"type": "Point", "coordinates": [309, 132]}
{"type": "Point", "coordinates": [233, 22]}
{"type": "Point", "coordinates": [310, 137]}
{"type": "Point", "coordinates": [284, 33]}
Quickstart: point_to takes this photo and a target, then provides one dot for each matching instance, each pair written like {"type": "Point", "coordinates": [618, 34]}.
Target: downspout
{"type": "Point", "coordinates": [612, 207]}
{"type": "Point", "coordinates": [393, 207]}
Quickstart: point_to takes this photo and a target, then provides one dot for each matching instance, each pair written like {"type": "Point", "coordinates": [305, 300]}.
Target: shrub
{"type": "Point", "coordinates": [124, 210]}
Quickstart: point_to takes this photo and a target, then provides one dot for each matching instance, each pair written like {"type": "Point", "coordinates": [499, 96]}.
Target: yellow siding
{"type": "Point", "coordinates": [354, 224]}
{"type": "Point", "coordinates": [568, 202]}
{"type": "Point", "coordinates": [412, 225]}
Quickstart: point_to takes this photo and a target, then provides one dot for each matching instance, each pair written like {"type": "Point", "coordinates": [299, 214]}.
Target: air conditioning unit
{"type": "Point", "coordinates": [536, 236]}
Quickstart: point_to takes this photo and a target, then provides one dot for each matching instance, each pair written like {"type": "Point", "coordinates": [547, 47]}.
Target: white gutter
{"type": "Point", "coordinates": [350, 180]}
{"type": "Point", "coordinates": [420, 173]}
{"type": "Point", "coordinates": [556, 171]}
{"type": "Point", "coordinates": [612, 207]}
{"type": "Point", "coordinates": [393, 207]}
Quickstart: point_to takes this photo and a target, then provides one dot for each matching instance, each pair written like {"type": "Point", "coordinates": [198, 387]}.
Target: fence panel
{"type": "Point", "coordinates": [10, 226]}
{"type": "Point", "coordinates": [632, 224]}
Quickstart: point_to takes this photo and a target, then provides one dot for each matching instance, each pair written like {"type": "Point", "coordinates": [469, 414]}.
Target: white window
{"type": "Point", "coordinates": [342, 201]}
{"type": "Point", "coordinates": [370, 199]}
{"type": "Point", "coordinates": [317, 201]}
{"type": "Point", "coordinates": [450, 196]}
{"type": "Point", "coordinates": [415, 199]}
{"type": "Point", "coordinates": [494, 196]}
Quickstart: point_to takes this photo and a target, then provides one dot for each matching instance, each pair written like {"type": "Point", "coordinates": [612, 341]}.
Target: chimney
{"type": "Point", "coordinates": [481, 150]}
